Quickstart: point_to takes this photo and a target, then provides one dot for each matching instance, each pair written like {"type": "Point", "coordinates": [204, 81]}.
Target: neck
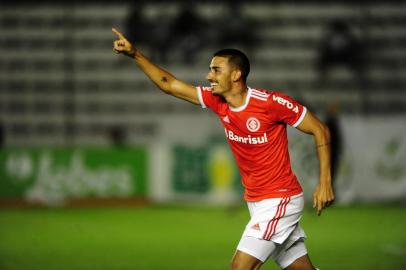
{"type": "Point", "coordinates": [236, 97]}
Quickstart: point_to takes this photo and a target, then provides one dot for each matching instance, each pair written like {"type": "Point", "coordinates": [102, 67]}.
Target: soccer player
{"type": "Point", "coordinates": [255, 125]}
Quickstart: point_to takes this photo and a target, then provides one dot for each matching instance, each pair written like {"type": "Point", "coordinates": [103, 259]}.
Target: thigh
{"type": "Point", "coordinates": [256, 248]}
{"type": "Point", "coordinates": [244, 261]}
{"type": "Point", "coordinates": [301, 263]}
{"type": "Point", "coordinates": [293, 251]}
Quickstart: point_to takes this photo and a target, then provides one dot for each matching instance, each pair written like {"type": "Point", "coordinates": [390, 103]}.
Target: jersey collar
{"type": "Point", "coordinates": [242, 107]}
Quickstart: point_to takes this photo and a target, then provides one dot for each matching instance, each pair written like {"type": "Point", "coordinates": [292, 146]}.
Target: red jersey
{"type": "Point", "coordinates": [257, 135]}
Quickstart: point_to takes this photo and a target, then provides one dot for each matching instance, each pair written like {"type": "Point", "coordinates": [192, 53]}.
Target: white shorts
{"type": "Point", "coordinates": [274, 230]}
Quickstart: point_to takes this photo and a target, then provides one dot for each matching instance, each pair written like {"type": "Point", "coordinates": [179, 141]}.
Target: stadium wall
{"type": "Point", "coordinates": [191, 161]}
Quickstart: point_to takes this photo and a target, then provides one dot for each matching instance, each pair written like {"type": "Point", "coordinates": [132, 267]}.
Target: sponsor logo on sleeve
{"type": "Point", "coordinates": [286, 103]}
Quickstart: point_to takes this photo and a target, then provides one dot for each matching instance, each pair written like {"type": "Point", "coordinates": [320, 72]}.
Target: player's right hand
{"type": "Point", "coordinates": [122, 45]}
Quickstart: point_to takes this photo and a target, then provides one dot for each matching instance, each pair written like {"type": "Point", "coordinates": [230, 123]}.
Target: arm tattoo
{"type": "Point", "coordinates": [322, 145]}
{"type": "Point", "coordinates": [164, 79]}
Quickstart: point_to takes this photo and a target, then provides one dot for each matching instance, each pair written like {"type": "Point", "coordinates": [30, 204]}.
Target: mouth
{"type": "Point", "coordinates": [213, 84]}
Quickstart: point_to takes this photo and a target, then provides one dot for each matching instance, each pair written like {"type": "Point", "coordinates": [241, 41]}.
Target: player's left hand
{"type": "Point", "coordinates": [323, 197]}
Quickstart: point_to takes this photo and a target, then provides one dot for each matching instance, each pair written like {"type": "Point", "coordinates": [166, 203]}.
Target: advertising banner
{"type": "Point", "coordinates": [193, 162]}
{"type": "Point", "coordinates": [371, 166]}
{"type": "Point", "coordinates": [51, 176]}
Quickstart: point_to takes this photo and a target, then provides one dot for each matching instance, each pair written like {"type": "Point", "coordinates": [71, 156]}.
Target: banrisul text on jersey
{"type": "Point", "coordinates": [248, 139]}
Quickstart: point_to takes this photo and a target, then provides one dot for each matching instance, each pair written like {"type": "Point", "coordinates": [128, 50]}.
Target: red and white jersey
{"type": "Point", "coordinates": [257, 135]}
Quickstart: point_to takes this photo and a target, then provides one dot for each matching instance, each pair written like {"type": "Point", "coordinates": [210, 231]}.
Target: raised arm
{"type": "Point", "coordinates": [323, 195]}
{"type": "Point", "coordinates": [163, 79]}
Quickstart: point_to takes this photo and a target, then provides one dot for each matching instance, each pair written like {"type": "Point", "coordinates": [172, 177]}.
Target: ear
{"type": "Point", "coordinates": [236, 75]}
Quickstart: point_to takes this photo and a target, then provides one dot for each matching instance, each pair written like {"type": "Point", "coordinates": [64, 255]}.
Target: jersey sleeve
{"type": "Point", "coordinates": [287, 110]}
{"type": "Point", "coordinates": [207, 99]}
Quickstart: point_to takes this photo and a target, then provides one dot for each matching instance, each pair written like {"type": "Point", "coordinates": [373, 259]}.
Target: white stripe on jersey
{"type": "Point", "coordinates": [255, 95]}
{"type": "Point", "coordinates": [260, 93]}
{"type": "Point", "coordinates": [301, 117]}
{"type": "Point", "coordinates": [261, 98]}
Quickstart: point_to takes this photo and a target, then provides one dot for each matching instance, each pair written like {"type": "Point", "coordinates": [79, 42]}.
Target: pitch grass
{"type": "Point", "coordinates": [189, 238]}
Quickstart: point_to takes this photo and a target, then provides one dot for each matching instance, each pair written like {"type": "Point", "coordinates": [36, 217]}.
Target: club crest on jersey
{"type": "Point", "coordinates": [253, 124]}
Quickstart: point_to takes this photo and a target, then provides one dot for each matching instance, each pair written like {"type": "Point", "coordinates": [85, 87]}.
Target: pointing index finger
{"type": "Point", "coordinates": [319, 207]}
{"type": "Point", "coordinates": [120, 36]}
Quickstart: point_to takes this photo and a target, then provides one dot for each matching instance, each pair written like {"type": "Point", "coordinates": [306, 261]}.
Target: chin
{"type": "Point", "coordinates": [216, 92]}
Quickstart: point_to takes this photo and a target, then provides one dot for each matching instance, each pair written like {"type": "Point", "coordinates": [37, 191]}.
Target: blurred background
{"type": "Point", "coordinates": [82, 127]}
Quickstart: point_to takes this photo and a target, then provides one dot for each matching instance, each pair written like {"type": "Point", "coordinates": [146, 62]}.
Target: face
{"type": "Point", "coordinates": [220, 75]}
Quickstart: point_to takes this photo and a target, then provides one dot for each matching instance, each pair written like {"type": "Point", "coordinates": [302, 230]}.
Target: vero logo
{"type": "Point", "coordinates": [285, 103]}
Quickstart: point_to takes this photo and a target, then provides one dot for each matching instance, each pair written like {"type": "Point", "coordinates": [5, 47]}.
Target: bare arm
{"type": "Point", "coordinates": [323, 195]}
{"type": "Point", "coordinates": [163, 79]}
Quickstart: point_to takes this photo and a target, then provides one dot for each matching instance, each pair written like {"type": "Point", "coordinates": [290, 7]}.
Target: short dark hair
{"type": "Point", "coordinates": [236, 58]}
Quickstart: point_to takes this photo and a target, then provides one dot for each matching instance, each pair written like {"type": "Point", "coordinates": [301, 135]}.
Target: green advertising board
{"type": "Point", "coordinates": [53, 175]}
{"type": "Point", "coordinates": [205, 169]}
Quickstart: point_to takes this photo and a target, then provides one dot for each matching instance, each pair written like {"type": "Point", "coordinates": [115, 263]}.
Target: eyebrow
{"type": "Point", "coordinates": [214, 67]}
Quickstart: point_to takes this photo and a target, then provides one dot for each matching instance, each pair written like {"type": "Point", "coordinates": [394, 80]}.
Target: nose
{"type": "Point", "coordinates": [209, 76]}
